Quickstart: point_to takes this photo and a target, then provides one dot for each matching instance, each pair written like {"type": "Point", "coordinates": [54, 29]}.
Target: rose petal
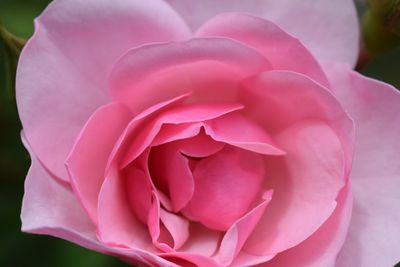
{"type": "Point", "coordinates": [208, 67]}
{"type": "Point", "coordinates": [374, 235]}
{"type": "Point", "coordinates": [239, 131]}
{"type": "Point", "coordinates": [203, 241]}
{"type": "Point", "coordinates": [321, 249]}
{"type": "Point", "coordinates": [51, 208]}
{"type": "Point", "coordinates": [284, 51]}
{"type": "Point", "coordinates": [306, 183]}
{"type": "Point", "coordinates": [237, 234]}
{"type": "Point", "coordinates": [231, 174]}
{"type": "Point", "coordinates": [87, 161]}
{"type": "Point", "coordinates": [117, 224]}
{"type": "Point", "coordinates": [68, 61]}
{"type": "Point", "coordinates": [278, 99]}
{"type": "Point", "coordinates": [182, 114]}
{"type": "Point", "coordinates": [143, 117]}
{"type": "Point", "coordinates": [328, 28]}
{"type": "Point", "coordinates": [171, 174]}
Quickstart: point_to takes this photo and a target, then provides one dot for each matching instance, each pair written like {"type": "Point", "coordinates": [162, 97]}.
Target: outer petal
{"type": "Point", "coordinates": [87, 161]}
{"type": "Point", "coordinates": [374, 235]}
{"type": "Point", "coordinates": [306, 183]}
{"type": "Point", "coordinates": [284, 51]}
{"type": "Point", "coordinates": [209, 67]}
{"type": "Point", "coordinates": [322, 248]}
{"type": "Point", "coordinates": [328, 28]}
{"type": "Point", "coordinates": [67, 62]}
{"type": "Point", "coordinates": [51, 208]}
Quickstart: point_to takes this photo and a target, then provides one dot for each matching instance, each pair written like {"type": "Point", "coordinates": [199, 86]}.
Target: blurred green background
{"type": "Point", "coordinates": [19, 249]}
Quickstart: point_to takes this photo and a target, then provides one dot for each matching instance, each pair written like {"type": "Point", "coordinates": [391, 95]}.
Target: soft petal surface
{"type": "Point", "coordinates": [209, 67]}
{"type": "Point", "coordinates": [374, 235]}
{"type": "Point", "coordinates": [328, 28]}
{"type": "Point", "coordinates": [237, 234]}
{"type": "Point", "coordinates": [117, 224]}
{"type": "Point", "coordinates": [278, 99]}
{"type": "Point", "coordinates": [306, 183]}
{"type": "Point", "coordinates": [87, 161]}
{"type": "Point", "coordinates": [282, 50]}
{"type": "Point", "coordinates": [50, 207]}
{"type": "Point", "coordinates": [61, 66]}
{"type": "Point", "coordinates": [171, 173]}
{"type": "Point", "coordinates": [231, 174]}
{"type": "Point", "coordinates": [239, 131]}
{"type": "Point", "coordinates": [182, 114]}
{"type": "Point", "coordinates": [321, 249]}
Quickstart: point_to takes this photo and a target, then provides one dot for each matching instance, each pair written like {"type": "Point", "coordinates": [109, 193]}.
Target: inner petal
{"type": "Point", "coordinates": [226, 185]}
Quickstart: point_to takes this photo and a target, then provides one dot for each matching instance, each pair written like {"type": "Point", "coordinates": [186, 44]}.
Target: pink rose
{"type": "Point", "coordinates": [168, 133]}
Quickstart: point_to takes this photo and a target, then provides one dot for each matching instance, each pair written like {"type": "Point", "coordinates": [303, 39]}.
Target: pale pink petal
{"type": "Point", "coordinates": [87, 161]}
{"type": "Point", "coordinates": [117, 224]}
{"type": "Point", "coordinates": [209, 67]}
{"type": "Point", "coordinates": [321, 249]}
{"type": "Point", "coordinates": [237, 130]}
{"type": "Point", "coordinates": [306, 183]}
{"type": "Point", "coordinates": [50, 208]}
{"type": "Point", "coordinates": [231, 174]}
{"type": "Point", "coordinates": [374, 235]}
{"type": "Point", "coordinates": [282, 50]}
{"type": "Point", "coordinates": [145, 134]}
{"type": "Point", "coordinates": [279, 99]}
{"type": "Point", "coordinates": [63, 70]}
{"type": "Point", "coordinates": [237, 234]}
{"type": "Point", "coordinates": [328, 28]}
{"type": "Point", "coordinates": [177, 226]}
{"type": "Point", "coordinates": [203, 241]}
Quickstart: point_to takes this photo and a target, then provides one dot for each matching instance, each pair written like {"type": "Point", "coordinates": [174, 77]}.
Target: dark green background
{"type": "Point", "coordinates": [19, 249]}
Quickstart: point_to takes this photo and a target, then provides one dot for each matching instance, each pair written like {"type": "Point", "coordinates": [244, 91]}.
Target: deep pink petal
{"type": "Point", "coordinates": [321, 249]}
{"type": "Point", "coordinates": [306, 183]}
{"type": "Point", "coordinates": [182, 114]}
{"type": "Point", "coordinates": [200, 146]}
{"type": "Point", "coordinates": [171, 174]}
{"type": "Point", "coordinates": [231, 174]}
{"type": "Point", "coordinates": [139, 188]}
{"type": "Point", "coordinates": [208, 67]}
{"type": "Point", "coordinates": [284, 51]}
{"type": "Point", "coordinates": [237, 234]}
{"type": "Point", "coordinates": [374, 235]}
{"type": "Point", "coordinates": [173, 132]}
{"type": "Point", "coordinates": [68, 60]}
{"type": "Point", "coordinates": [237, 130]}
{"type": "Point", "coordinates": [328, 28]}
{"type": "Point", "coordinates": [190, 260]}
{"type": "Point", "coordinates": [87, 161]}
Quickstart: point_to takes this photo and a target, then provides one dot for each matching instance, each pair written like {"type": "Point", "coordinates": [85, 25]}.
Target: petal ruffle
{"type": "Point", "coordinates": [68, 60]}
{"type": "Point", "coordinates": [328, 28]}
{"type": "Point", "coordinates": [374, 234]}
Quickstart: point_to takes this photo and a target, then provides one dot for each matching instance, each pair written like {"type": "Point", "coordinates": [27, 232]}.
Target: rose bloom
{"type": "Point", "coordinates": [209, 133]}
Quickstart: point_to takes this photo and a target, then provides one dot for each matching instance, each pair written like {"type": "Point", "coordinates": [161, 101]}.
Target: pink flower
{"type": "Point", "coordinates": [209, 133]}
